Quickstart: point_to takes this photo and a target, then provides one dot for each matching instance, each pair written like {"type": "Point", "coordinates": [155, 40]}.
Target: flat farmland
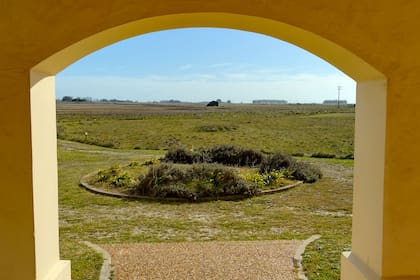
{"type": "Point", "coordinates": [304, 129]}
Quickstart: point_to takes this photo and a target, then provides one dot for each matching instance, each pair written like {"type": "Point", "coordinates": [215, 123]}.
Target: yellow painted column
{"type": "Point", "coordinates": [44, 174]}
{"type": "Point", "coordinates": [365, 260]}
{"type": "Point", "coordinates": [386, 227]}
{"type": "Point", "coordinates": [401, 241]}
{"type": "Point", "coordinates": [28, 195]}
{"type": "Point", "coordinates": [17, 260]}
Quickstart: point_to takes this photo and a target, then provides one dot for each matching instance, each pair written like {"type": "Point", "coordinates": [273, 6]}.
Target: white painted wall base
{"type": "Point", "coordinates": [60, 271]}
{"type": "Point", "coordinates": [352, 268]}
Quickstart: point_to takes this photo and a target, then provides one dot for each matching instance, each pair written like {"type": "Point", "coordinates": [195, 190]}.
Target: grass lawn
{"type": "Point", "coordinates": [321, 208]}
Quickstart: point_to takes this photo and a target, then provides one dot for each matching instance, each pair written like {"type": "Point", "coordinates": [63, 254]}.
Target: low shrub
{"type": "Point", "coordinates": [176, 190]}
{"type": "Point", "coordinates": [122, 180]}
{"type": "Point", "coordinates": [291, 168]}
{"type": "Point", "coordinates": [298, 154]}
{"type": "Point", "coordinates": [306, 172]}
{"type": "Point", "coordinates": [271, 179]}
{"type": "Point", "coordinates": [225, 154]}
{"type": "Point", "coordinates": [276, 161]}
{"type": "Point", "coordinates": [216, 128]}
{"type": "Point", "coordinates": [180, 155]}
{"type": "Point", "coordinates": [222, 154]}
{"type": "Point", "coordinates": [249, 157]}
{"type": "Point", "coordinates": [106, 175]}
{"type": "Point", "coordinates": [202, 156]}
{"type": "Point", "coordinates": [322, 155]}
{"type": "Point", "coordinates": [193, 182]}
{"type": "Point", "coordinates": [215, 180]}
{"type": "Point", "coordinates": [115, 177]}
{"type": "Point", "coordinates": [161, 174]}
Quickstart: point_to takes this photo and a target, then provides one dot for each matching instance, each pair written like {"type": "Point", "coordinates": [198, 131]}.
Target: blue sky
{"type": "Point", "coordinates": [202, 64]}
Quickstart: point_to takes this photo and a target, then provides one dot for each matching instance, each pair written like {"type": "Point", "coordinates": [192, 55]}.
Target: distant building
{"type": "Point", "coordinates": [335, 102]}
{"type": "Point", "coordinates": [269, 101]}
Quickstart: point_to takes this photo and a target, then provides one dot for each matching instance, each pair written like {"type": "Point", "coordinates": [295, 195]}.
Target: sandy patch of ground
{"type": "Point", "coordinates": [204, 260]}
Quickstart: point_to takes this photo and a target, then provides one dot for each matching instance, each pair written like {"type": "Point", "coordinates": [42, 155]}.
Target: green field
{"type": "Point", "coordinates": [289, 128]}
{"type": "Point", "coordinates": [320, 208]}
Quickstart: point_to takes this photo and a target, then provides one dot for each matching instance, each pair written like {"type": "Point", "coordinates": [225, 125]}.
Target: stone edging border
{"type": "Point", "coordinates": [106, 269]}
{"type": "Point", "coordinates": [297, 259]}
{"type": "Point", "coordinates": [92, 189]}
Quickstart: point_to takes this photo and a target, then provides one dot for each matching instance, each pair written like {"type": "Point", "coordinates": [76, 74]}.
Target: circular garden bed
{"type": "Point", "coordinates": [221, 172]}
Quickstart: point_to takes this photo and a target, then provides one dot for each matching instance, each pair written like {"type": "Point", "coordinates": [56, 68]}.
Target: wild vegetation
{"type": "Point", "coordinates": [222, 154]}
{"type": "Point", "coordinates": [305, 129]}
{"type": "Point", "coordinates": [214, 173]}
{"type": "Point", "coordinates": [323, 207]}
{"type": "Point", "coordinates": [193, 182]}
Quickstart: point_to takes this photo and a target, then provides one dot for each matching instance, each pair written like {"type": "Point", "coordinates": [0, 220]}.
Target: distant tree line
{"type": "Point", "coordinates": [76, 99]}
{"type": "Point", "coordinates": [89, 99]}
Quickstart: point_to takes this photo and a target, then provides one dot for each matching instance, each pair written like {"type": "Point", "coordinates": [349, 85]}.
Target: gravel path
{"type": "Point", "coordinates": [266, 260]}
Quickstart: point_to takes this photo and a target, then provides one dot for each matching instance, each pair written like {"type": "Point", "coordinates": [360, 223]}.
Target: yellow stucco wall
{"type": "Point", "coordinates": [369, 40]}
{"type": "Point", "coordinates": [16, 211]}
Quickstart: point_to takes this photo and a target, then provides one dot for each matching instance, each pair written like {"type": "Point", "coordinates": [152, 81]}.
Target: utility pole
{"type": "Point", "coordinates": [339, 88]}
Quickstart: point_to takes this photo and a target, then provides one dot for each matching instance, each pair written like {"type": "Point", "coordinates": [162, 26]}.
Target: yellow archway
{"type": "Point", "coordinates": [372, 42]}
{"type": "Point", "coordinates": [370, 81]}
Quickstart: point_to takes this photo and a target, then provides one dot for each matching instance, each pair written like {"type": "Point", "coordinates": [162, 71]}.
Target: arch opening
{"type": "Point", "coordinates": [336, 55]}
{"type": "Point", "coordinates": [209, 63]}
